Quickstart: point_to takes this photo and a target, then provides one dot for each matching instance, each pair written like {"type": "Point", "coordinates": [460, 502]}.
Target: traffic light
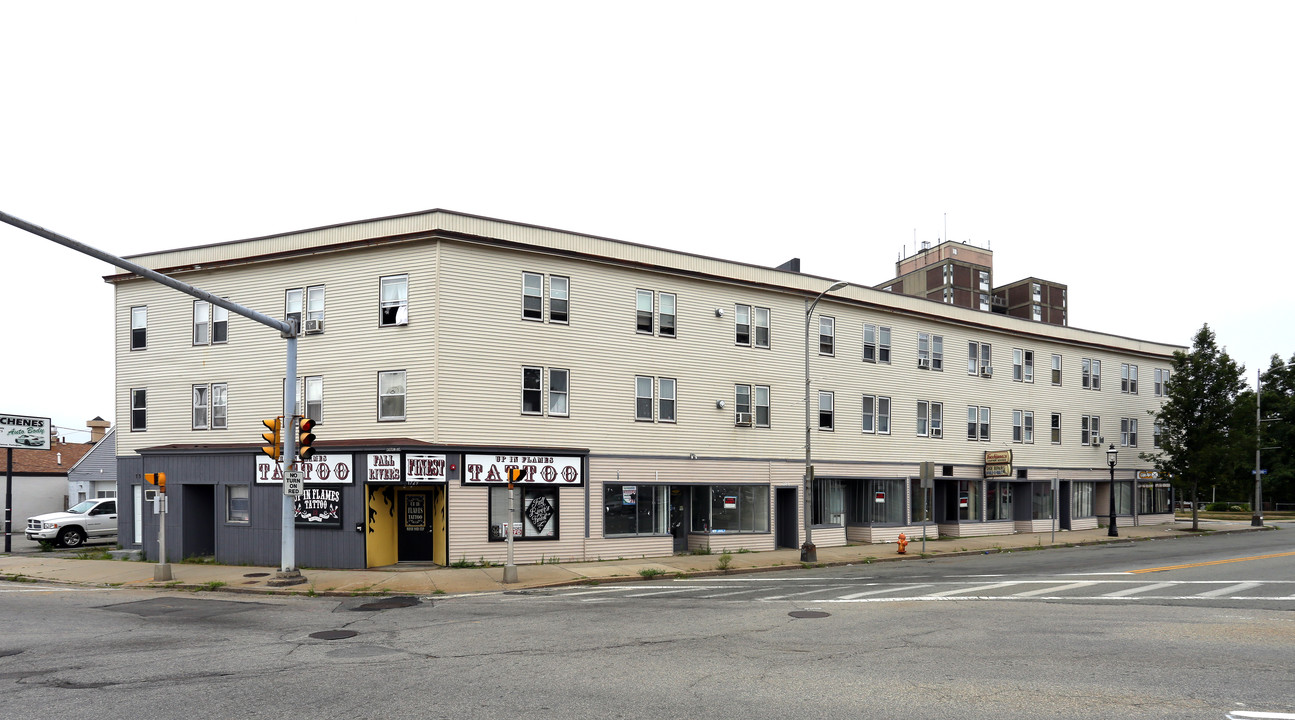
{"type": "Point", "coordinates": [274, 437]}
{"type": "Point", "coordinates": [306, 439]}
{"type": "Point", "coordinates": [515, 475]}
{"type": "Point", "coordinates": [158, 479]}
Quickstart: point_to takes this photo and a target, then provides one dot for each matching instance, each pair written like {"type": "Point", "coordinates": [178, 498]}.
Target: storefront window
{"type": "Point", "coordinates": [535, 516]}
{"type": "Point", "coordinates": [730, 508]}
{"type": "Point", "coordinates": [998, 498]}
{"type": "Point", "coordinates": [879, 502]}
{"type": "Point", "coordinates": [829, 502]}
{"type": "Point", "coordinates": [636, 510]}
{"type": "Point", "coordinates": [1041, 501]}
{"type": "Point", "coordinates": [1123, 498]}
{"type": "Point", "coordinates": [968, 499]}
{"type": "Point", "coordinates": [1081, 499]}
{"type": "Point", "coordinates": [1153, 500]}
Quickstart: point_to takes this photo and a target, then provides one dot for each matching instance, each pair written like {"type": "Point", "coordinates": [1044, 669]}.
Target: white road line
{"type": "Point", "coordinates": [973, 588]}
{"type": "Point", "coordinates": [661, 592]}
{"type": "Point", "coordinates": [1059, 588]}
{"type": "Point", "coordinates": [594, 592]}
{"type": "Point", "coordinates": [732, 592]}
{"type": "Point", "coordinates": [998, 575]}
{"type": "Point", "coordinates": [1248, 715]}
{"type": "Point", "coordinates": [766, 578]}
{"type": "Point", "coordinates": [883, 590]}
{"type": "Point", "coordinates": [1229, 589]}
{"type": "Point", "coordinates": [50, 589]}
{"type": "Point", "coordinates": [1137, 589]}
{"type": "Point", "coordinates": [808, 592]}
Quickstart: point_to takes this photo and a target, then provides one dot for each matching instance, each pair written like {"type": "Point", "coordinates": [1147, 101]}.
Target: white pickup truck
{"type": "Point", "coordinates": [72, 527]}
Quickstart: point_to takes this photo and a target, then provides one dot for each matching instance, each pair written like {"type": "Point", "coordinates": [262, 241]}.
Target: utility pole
{"type": "Point", "coordinates": [288, 572]}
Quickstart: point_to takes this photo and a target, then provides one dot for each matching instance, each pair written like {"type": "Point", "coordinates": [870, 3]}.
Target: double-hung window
{"type": "Point", "coordinates": [310, 396]}
{"type": "Point", "coordinates": [138, 409]}
{"type": "Point", "coordinates": [1056, 369]}
{"type": "Point", "coordinates": [1090, 430]}
{"type": "Point", "coordinates": [393, 300]}
{"type": "Point", "coordinates": [1162, 382]}
{"type": "Point", "coordinates": [1022, 426]}
{"type": "Point", "coordinates": [559, 390]}
{"type": "Point", "coordinates": [762, 406]}
{"type": "Point", "coordinates": [1092, 374]}
{"type": "Point", "coordinates": [826, 335]}
{"type": "Point", "coordinates": [1128, 379]}
{"type": "Point", "coordinates": [826, 416]}
{"type": "Point", "coordinates": [742, 325]}
{"type": "Point", "coordinates": [303, 305]}
{"type": "Point", "coordinates": [876, 344]}
{"type": "Point", "coordinates": [559, 294]}
{"type": "Point", "coordinates": [655, 313]}
{"type": "Point", "coordinates": [977, 423]}
{"type": "Point", "coordinates": [210, 406]}
{"type": "Point", "coordinates": [292, 303]}
{"type": "Point", "coordinates": [876, 414]}
{"type": "Point", "coordinates": [753, 399]}
{"type": "Point", "coordinates": [1055, 424]}
{"type": "Point", "coordinates": [559, 299]}
{"type": "Point", "coordinates": [1128, 432]}
{"type": "Point", "coordinates": [979, 359]}
{"type": "Point", "coordinates": [760, 318]}
{"type": "Point", "coordinates": [930, 419]}
{"type": "Point", "coordinates": [1158, 431]}
{"type": "Point", "coordinates": [210, 323]}
{"type": "Point", "coordinates": [643, 398]}
{"type": "Point", "coordinates": [930, 352]}
{"type": "Point", "coordinates": [532, 296]}
{"type": "Point", "coordinates": [314, 307]}
{"type": "Point", "coordinates": [391, 395]}
{"type": "Point", "coordinates": [139, 328]}
{"type": "Point", "coordinates": [1022, 365]}
{"type": "Point", "coordinates": [237, 504]}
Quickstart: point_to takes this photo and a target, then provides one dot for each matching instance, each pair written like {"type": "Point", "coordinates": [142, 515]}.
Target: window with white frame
{"type": "Point", "coordinates": [644, 313]}
{"type": "Point", "coordinates": [559, 392]}
{"type": "Point", "coordinates": [984, 301]}
{"type": "Point", "coordinates": [532, 296]}
{"type": "Point", "coordinates": [201, 322]}
{"type": "Point", "coordinates": [1158, 430]}
{"type": "Point", "coordinates": [742, 324]}
{"type": "Point", "coordinates": [1022, 426]}
{"type": "Point", "coordinates": [238, 504]}
{"type": "Point", "coordinates": [1056, 428]}
{"type": "Point", "coordinates": [930, 352]}
{"type": "Point", "coordinates": [876, 414]}
{"type": "Point", "coordinates": [826, 335]}
{"type": "Point", "coordinates": [979, 359]}
{"type": "Point", "coordinates": [1092, 374]}
{"type": "Point", "coordinates": [978, 423]}
{"type": "Point", "coordinates": [314, 305]}
{"type": "Point", "coordinates": [1128, 379]}
{"type": "Point", "coordinates": [983, 276]}
{"type": "Point", "coordinates": [1090, 430]}
{"type": "Point", "coordinates": [139, 328]}
{"type": "Point", "coordinates": [948, 295]}
{"type": "Point", "coordinates": [1162, 382]}
{"type": "Point", "coordinates": [1128, 432]}
{"type": "Point", "coordinates": [293, 300]}
{"type": "Point", "coordinates": [826, 415]}
{"type": "Point", "coordinates": [200, 406]}
{"type": "Point", "coordinates": [310, 395]}
{"type": "Point", "coordinates": [667, 316]}
{"type": "Point", "coordinates": [760, 316]}
{"type": "Point", "coordinates": [1056, 369]}
{"type": "Point", "coordinates": [644, 387]}
{"type": "Point", "coordinates": [752, 401]}
{"type": "Point", "coordinates": [947, 274]}
{"type": "Point", "coordinates": [665, 400]}
{"type": "Point", "coordinates": [219, 406]}
{"type": "Point", "coordinates": [138, 409]}
{"type": "Point", "coordinates": [876, 344]}
{"type": "Point", "coordinates": [762, 408]}
{"type": "Point", "coordinates": [210, 406]}
{"type": "Point", "coordinates": [741, 402]}
{"type": "Point", "coordinates": [1022, 365]}
{"type": "Point", "coordinates": [393, 300]}
{"type": "Point", "coordinates": [1036, 313]}
{"type": "Point", "coordinates": [930, 419]}
{"type": "Point", "coordinates": [391, 395]}
{"type": "Point", "coordinates": [1036, 292]}
{"type": "Point", "coordinates": [559, 299]}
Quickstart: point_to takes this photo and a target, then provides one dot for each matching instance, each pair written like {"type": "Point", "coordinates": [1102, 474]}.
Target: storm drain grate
{"type": "Point", "coordinates": [809, 614]}
{"type": "Point", "coordinates": [256, 574]}
{"type": "Point", "coordinates": [333, 634]}
{"type": "Point", "coordinates": [388, 604]}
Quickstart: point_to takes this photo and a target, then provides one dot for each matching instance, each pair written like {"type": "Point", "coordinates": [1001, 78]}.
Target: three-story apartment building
{"type": "Point", "coordinates": [656, 398]}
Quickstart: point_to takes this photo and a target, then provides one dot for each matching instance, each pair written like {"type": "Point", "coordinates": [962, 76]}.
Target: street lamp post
{"type": "Point", "coordinates": [809, 553]}
{"type": "Point", "coordinates": [1111, 455]}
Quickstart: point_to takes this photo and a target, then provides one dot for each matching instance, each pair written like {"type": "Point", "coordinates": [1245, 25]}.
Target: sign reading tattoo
{"type": "Point", "coordinates": [540, 469]}
{"type": "Point", "coordinates": [318, 507]}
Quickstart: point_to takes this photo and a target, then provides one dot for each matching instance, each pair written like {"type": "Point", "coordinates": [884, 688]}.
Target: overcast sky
{"type": "Point", "coordinates": [1140, 153]}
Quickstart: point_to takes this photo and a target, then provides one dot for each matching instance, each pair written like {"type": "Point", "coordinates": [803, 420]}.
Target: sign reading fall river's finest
{"type": "Point", "coordinates": [320, 469]}
{"type": "Point", "coordinates": [418, 468]}
{"type": "Point", "coordinates": [318, 507]}
{"type": "Point", "coordinates": [540, 469]}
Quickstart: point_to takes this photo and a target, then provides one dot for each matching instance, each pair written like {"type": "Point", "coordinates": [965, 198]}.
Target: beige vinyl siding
{"type": "Point", "coordinates": [977, 529]}
{"type": "Point", "coordinates": [469, 529]}
{"type": "Point", "coordinates": [349, 354]}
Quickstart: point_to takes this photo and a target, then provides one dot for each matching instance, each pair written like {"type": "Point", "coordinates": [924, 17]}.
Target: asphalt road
{"type": "Point", "coordinates": [1185, 628]}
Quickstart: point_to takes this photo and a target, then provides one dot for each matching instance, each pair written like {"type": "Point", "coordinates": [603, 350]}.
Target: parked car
{"type": "Point", "coordinates": [71, 528]}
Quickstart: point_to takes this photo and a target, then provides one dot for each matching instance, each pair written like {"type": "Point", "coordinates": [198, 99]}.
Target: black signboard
{"type": "Point", "coordinates": [319, 506]}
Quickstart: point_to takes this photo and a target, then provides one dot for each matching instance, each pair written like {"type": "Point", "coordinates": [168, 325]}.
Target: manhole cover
{"type": "Point", "coordinates": [809, 614]}
{"type": "Point", "coordinates": [334, 634]}
{"type": "Point", "coordinates": [255, 574]}
{"type": "Point", "coordinates": [388, 604]}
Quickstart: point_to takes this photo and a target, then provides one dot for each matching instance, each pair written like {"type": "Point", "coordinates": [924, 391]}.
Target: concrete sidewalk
{"type": "Point", "coordinates": [430, 579]}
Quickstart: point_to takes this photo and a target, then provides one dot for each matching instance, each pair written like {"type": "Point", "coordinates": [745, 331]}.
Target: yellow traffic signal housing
{"type": "Point", "coordinates": [306, 439]}
{"type": "Point", "coordinates": [158, 479]}
{"type": "Point", "coordinates": [274, 437]}
{"type": "Point", "coordinates": [515, 475]}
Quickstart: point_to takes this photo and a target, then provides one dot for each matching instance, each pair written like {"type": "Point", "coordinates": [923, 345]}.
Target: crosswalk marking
{"type": "Point", "coordinates": [973, 588]}
{"type": "Point", "coordinates": [1060, 588]}
{"type": "Point", "coordinates": [1137, 589]}
{"type": "Point", "coordinates": [881, 591]}
{"type": "Point", "coordinates": [808, 592]}
{"type": "Point", "coordinates": [1229, 590]}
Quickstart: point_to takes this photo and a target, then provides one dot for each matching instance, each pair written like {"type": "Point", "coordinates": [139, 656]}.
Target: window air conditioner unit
{"type": "Point", "coordinates": [937, 433]}
{"type": "Point", "coordinates": [986, 371]}
{"type": "Point", "coordinates": [1097, 442]}
{"type": "Point", "coordinates": [314, 327]}
{"type": "Point", "coordinates": [924, 363]}
{"type": "Point", "coordinates": [742, 419]}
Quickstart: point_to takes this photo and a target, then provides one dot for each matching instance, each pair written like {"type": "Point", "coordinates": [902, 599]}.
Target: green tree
{"type": "Point", "coordinates": [1278, 430]}
{"type": "Point", "coordinates": [1200, 438]}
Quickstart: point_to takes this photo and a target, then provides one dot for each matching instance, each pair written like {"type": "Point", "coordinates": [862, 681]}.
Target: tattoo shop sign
{"type": "Point", "coordinates": [540, 469]}
{"type": "Point", "coordinates": [318, 507]}
{"type": "Point", "coordinates": [418, 468]}
{"type": "Point", "coordinates": [320, 469]}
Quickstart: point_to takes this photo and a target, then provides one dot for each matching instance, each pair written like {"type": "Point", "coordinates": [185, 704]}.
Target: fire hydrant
{"type": "Point", "coordinates": [903, 543]}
